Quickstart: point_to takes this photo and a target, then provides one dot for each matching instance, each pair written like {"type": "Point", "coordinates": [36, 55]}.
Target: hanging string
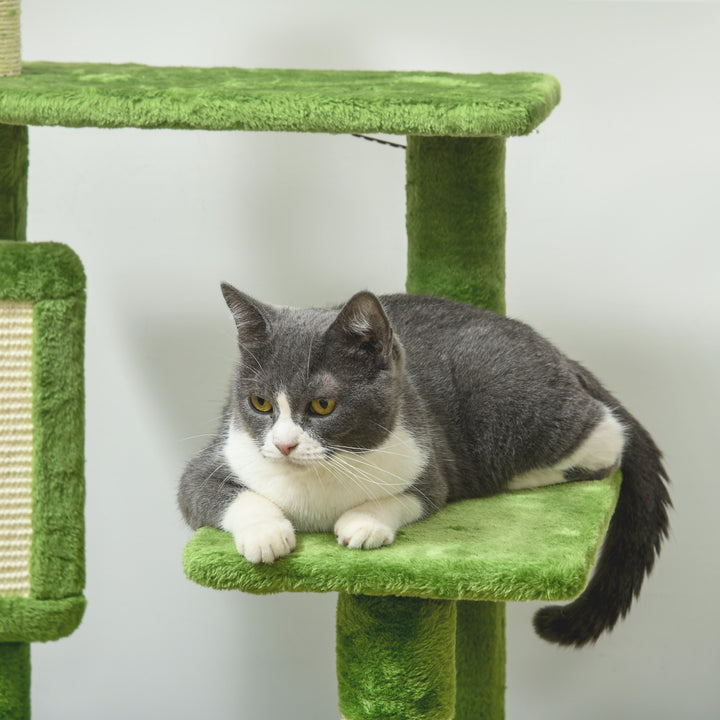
{"type": "Point", "coordinates": [378, 140]}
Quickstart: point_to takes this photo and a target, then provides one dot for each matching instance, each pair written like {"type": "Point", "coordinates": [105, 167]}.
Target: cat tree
{"type": "Point", "coordinates": [420, 624]}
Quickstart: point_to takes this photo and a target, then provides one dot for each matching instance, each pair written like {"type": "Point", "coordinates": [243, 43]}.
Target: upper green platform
{"type": "Point", "coordinates": [525, 545]}
{"type": "Point", "coordinates": [326, 101]}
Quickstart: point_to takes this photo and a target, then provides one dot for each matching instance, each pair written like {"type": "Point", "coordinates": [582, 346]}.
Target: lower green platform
{"type": "Point", "coordinates": [527, 545]}
{"type": "Point", "coordinates": [421, 623]}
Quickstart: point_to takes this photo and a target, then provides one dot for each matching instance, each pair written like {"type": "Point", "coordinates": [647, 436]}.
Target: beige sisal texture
{"type": "Point", "coordinates": [10, 62]}
{"type": "Point", "coordinates": [16, 447]}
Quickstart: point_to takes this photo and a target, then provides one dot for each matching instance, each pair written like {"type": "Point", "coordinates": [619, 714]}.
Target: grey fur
{"type": "Point", "coordinates": [485, 395]}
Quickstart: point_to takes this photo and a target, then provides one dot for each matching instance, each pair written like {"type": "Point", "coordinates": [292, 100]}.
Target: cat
{"type": "Point", "coordinates": [363, 419]}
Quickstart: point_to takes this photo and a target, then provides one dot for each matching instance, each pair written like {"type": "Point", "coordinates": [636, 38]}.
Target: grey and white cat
{"type": "Point", "coordinates": [361, 420]}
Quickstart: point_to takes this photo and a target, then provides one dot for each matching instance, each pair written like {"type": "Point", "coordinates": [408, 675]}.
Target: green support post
{"type": "Point", "coordinates": [395, 657]}
{"type": "Point", "coordinates": [13, 181]}
{"type": "Point", "coordinates": [480, 660]}
{"type": "Point", "coordinates": [14, 657]}
{"type": "Point", "coordinates": [14, 681]}
{"type": "Point", "coordinates": [456, 224]}
{"type": "Point", "coordinates": [456, 219]}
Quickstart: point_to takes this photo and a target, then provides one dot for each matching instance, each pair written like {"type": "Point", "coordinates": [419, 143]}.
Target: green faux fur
{"type": "Point", "coordinates": [14, 681]}
{"type": "Point", "coordinates": [406, 644]}
{"type": "Point", "coordinates": [405, 103]}
{"type": "Point", "coordinates": [35, 272]}
{"type": "Point", "coordinates": [480, 658]}
{"type": "Point", "coordinates": [526, 545]}
{"type": "Point", "coordinates": [13, 182]}
{"type": "Point", "coordinates": [456, 219]}
{"type": "Point", "coordinates": [39, 620]}
{"type": "Point", "coordinates": [415, 652]}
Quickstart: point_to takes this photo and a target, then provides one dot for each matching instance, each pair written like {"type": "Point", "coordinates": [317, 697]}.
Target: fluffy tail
{"type": "Point", "coordinates": [637, 529]}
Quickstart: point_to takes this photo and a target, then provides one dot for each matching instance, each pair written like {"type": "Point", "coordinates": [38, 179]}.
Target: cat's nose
{"type": "Point", "coordinates": [285, 448]}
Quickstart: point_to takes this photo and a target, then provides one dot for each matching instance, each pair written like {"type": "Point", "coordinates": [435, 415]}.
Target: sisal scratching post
{"type": "Point", "coordinates": [15, 493]}
{"type": "Point", "coordinates": [16, 447]}
{"type": "Point", "coordinates": [42, 565]}
{"type": "Point", "coordinates": [10, 63]}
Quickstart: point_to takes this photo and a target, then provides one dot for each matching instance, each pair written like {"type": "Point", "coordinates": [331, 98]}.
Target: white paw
{"type": "Point", "coordinates": [356, 529]}
{"type": "Point", "coordinates": [265, 542]}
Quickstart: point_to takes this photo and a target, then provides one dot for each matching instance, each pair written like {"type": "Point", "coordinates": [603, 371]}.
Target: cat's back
{"type": "Point", "coordinates": [426, 323]}
{"type": "Point", "coordinates": [487, 382]}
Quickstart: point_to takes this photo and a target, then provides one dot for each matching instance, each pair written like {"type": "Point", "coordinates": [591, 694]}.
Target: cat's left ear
{"type": "Point", "coordinates": [363, 322]}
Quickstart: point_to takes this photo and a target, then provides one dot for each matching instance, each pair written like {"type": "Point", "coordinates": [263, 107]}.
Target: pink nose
{"type": "Point", "coordinates": [285, 448]}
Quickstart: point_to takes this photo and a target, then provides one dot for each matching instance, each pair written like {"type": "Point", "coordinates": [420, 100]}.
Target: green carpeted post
{"type": "Point", "coordinates": [456, 224]}
{"type": "Point", "coordinates": [395, 658]}
{"type": "Point", "coordinates": [456, 218]}
{"type": "Point", "coordinates": [13, 181]}
{"type": "Point", "coordinates": [480, 660]}
{"type": "Point", "coordinates": [14, 657]}
{"type": "Point", "coordinates": [14, 681]}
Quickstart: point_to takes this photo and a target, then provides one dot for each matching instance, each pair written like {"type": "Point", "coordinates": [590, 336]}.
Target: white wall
{"type": "Point", "coordinates": [613, 252]}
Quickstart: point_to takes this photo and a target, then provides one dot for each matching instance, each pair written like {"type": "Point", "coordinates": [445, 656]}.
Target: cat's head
{"type": "Point", "coordinates": [314, 382]}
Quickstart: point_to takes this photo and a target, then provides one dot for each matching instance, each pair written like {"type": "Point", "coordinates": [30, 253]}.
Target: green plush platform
{"type": "Point", "coordinates": [406, 103]}
{"type": "Point", "coordinates": [528, 545]}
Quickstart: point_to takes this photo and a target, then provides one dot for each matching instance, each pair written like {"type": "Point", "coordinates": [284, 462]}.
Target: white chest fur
{"type": "Point", "coordinates": [314, 495]}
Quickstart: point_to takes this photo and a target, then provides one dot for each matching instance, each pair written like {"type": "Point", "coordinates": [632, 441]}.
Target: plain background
{"type": "Point", "coordinates": [613, 253]}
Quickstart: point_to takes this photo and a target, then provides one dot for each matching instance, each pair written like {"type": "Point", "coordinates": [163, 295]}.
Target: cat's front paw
{"type": "Point", "coordinates": [357, 529]}
{"type": "Point", "coordinates": [265, 542]}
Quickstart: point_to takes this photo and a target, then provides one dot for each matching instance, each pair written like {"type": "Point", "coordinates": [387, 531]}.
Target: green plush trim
{"type": "Point", "coordinates": [13, 182]}
{"type": "Point", "coordinates": [30, 272]}
{"type": "Point", "coordinates": [51, 277]}
{"type": "Point", "coordinates": [58, 548]}
{"type": "Point", "coordinates": [32, 620]}
{"type": "Point", "coordinates": [528, 545]}
{"type": "Point", "coordinates": [405, 103]}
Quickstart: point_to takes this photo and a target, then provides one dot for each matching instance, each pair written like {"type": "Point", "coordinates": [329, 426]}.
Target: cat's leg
{"type": "Point", "coordinates": [595, 458]}
{"type": "Point", "coordinates": [375, 522]}
{"type": "Point", "coordinates": [261, 532]}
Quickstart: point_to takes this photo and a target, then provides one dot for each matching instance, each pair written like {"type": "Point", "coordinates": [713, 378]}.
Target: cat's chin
{"type": "Point", "coordinates": [292, 461]}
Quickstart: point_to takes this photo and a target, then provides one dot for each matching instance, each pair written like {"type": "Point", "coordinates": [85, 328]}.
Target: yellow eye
{"type": "Point", "coordinates": [322, 406]}
{"type": "Point", "coordinates": [261, 404]}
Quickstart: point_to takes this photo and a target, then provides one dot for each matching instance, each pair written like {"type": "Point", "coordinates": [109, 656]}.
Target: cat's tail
{"type": "Point", "coordinates": [637, 529]}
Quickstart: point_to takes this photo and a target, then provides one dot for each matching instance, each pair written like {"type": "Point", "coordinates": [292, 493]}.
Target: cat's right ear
{"type": "Point", "coordinates": [250, 316]}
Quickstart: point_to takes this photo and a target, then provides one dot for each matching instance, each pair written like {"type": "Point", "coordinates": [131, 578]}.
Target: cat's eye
{"type": "Point", "coordinates": [322, 406]}
{"type": "Point", "coordinates": [260, 404]}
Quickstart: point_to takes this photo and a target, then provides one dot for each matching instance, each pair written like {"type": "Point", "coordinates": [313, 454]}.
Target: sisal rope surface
{"type": "Point", "coordinates": [16, 447]}
{"type": "Point", "coordinates": [10, 62]}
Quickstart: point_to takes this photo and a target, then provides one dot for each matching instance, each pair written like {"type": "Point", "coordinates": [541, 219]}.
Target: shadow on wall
{"type": "Point", "coordinates": [185, 366]}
